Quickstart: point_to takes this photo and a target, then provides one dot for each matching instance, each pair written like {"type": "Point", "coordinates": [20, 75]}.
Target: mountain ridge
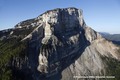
{"type": "Point", "coordinates": [60, 46]}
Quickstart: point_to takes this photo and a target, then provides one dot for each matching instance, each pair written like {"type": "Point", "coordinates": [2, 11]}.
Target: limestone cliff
{"type": "Point", "coordinates": [69, 47]}
{"type": "Point", "coordinates": [62, 46]}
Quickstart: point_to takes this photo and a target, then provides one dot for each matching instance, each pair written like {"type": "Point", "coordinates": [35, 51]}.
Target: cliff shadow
{"type": "Point", "coordinates": [71, 58]}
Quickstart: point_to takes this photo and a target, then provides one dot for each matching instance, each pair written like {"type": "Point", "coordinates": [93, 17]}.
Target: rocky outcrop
{"type": "Point", "coordinates": [28, 23]}
{"type": "Point", "coordinates": [63, 46]}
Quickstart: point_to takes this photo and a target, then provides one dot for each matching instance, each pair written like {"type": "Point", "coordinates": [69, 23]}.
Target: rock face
{"type": "Point", "coordinates": [62, 46]}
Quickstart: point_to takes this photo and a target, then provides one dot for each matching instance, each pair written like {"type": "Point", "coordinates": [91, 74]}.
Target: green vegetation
{"type": "Point", "coordinates": [23, 31]}
{"type": "Point", "coordinates": [8, 49]}
{"type": "Point", "coordinates": [113, 67]}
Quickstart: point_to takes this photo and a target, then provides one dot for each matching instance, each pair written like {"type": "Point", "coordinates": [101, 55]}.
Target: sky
{"type": "Point", "coordinates": [101, 15]}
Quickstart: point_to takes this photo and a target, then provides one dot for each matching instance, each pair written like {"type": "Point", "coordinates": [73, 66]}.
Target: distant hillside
{"type": "Point", "coordinates": [113, 37]}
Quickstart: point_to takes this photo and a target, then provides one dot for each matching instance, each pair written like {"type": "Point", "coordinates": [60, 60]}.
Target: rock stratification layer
{"type": "Point", "coordinates": [62, 46]}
